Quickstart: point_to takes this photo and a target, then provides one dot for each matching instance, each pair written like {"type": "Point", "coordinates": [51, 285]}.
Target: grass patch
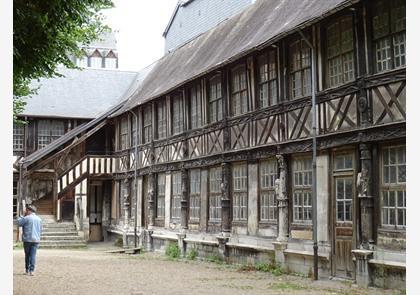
{"type": "Point", "coordinates": [214, 259]}
{"type": "Point", "coordinates": [287, 286]}
{"type": "Point", "coordinates": [263, 267]}
{"type": "Point", "coordinates": [192, 254]}
{"type": "Point", "coordinates": [118, 242]}
{"type": "Point", "coordinates": [173, 251]}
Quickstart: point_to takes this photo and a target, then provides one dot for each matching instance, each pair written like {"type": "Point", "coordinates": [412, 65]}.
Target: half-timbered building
{"type": "Point", "coordinates": [212, 151]}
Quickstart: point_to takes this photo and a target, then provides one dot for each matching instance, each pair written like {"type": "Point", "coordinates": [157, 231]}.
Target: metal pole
{"type": "Point", "coordinates": [135, 177]}
{"type": "Point", "coordinates": [314, 148]}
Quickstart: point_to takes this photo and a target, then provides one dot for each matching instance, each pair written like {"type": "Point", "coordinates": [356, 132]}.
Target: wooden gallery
{"type": "Point", "coordinates": [211, 148]}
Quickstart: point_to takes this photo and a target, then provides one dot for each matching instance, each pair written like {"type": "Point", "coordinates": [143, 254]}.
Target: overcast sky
{"type": "Point", "coordinates": [140, 25]}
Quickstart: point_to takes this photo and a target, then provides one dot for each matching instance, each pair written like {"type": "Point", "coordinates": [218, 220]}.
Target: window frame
{"type": "Point", "coordinates": [304, 190]}
{"type": "Point", "coordinates": [215, 195]}
{"type": "Point", "coordinates": [160, 196]}
{"type": "Point", "coordinates": [176, 196]}
{"type": "Point", "coordinates": [147, 119]}
{"type": "Point", "coordinates": [268, 192]}
{"type": "Point", "coordinates": [302, 69]}
{"type": "Point", "coordinates": [217, 82]}
{"type": "Point", "coordinates": [194, 195]}
{"type": "Point", "coordinates": [342, 52]}
{"type": "Point", "coordinates": [239, 192]}
{"type": "Point", "coordinates": [238, 71]}
{"type": "Point", "coordinates": [123, 133]}
{"type": "Point", "coordinates": [18, 137]}
{"type": "Point", "coordinates": [195, 98]}
{"type": "Point", "coordinates": [50, 133]}
{"type": "Point", "coordinates": [162, 120]}
{"type": "Point", "coordinates": [389, 36]}
{"type": "Point", "coordinates": [177, 115]}
{"type": "Point", "coordinates": [266, 63]}
{"type": "Point", "coordinates": [394, 187]}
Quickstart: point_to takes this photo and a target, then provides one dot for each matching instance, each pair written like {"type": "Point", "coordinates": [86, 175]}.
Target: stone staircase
{"type": "Point", "coordinates": [59, 234]}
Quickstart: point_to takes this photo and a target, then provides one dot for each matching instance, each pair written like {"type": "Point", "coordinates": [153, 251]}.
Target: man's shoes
{"type": "Point", "coordinates": [31, 273]}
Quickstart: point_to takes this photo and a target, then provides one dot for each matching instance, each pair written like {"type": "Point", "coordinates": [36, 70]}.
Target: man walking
{"type": "Point", "coordinates": [31, 236]}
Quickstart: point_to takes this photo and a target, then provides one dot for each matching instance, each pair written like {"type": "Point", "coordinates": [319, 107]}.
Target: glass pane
{"type": "Point", "coordinates": [393, 174]}
{"type": "Point", "coordinates": [401, 173]}
{"type": "Point", "coordinates": [340, 189]}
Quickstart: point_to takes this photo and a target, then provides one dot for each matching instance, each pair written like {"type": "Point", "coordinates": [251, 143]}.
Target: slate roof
{"type": "Point", "coordinates": [254, 28]}
{"type": "Point", "coordinates": [79, 94]}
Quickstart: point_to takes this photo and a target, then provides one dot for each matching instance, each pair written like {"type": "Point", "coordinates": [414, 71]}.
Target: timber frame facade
{"type": "Point", "coordinates": [224, 162]}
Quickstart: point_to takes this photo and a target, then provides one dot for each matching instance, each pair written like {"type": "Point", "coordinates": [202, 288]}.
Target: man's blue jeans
{"type": "Point", "coordinates": [30, 255]}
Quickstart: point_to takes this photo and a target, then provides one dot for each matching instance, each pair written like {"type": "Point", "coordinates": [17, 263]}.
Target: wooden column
{"type": "Point", "coordinates": [364, 185]}
{"type": "Point", "coordinates": [184, 199]}
{"type": "Point", "coordinates": [282, 201]}
{"type": "Point", "coordinates": [225, 200]}
{"type": "Point", "coordinates": [151, 192]}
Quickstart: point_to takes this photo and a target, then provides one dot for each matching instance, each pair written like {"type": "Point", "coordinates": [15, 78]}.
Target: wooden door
{"type": "Point", "coordinates": [67, 206]}
{"type": "Point", "coordinates": [343, 217]}
{"type": "Point", "coordinates": [95, 211]}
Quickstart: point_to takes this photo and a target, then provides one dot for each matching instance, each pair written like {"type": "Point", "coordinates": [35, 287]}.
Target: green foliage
{"type": "Point", "coordinates": [215, 259]}
{"type": "Point", "coordinates": [287, 286]}
{"type": "Point", "coordinates": [18, 245]}
{"type": "Point", "coordinates": [173, 251]}
{"type": "Point", "coordinates": [269, 267]}
{"type": "Point", "coordinates": [192, 254]}
{"type": "Point", "coordinates": [118, 242]}
{"type": "Point", "coordinates": [45, 34]}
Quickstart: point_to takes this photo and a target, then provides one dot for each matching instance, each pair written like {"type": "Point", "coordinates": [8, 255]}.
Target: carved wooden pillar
{"type": "Point", "coordinates": [226, 220]}
{"type": "Point", "coordinates": [282, 201]}
{"type": "Point", "coordinates": [364, 184]}
{"type": "Point", "coordinates": [184, 199]}
{"type": "Point", "coordinates": [151, 198]}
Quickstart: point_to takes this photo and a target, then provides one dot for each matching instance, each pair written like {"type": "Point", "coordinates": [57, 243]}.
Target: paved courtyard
{"type": "Point", "coordinates": [92, 271]}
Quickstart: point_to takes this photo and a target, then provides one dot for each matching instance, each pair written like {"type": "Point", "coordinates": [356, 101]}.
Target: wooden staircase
{"type": "Point", "coordinates": [44, 206]}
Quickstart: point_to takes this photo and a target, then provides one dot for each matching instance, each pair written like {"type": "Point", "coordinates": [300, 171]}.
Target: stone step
{"type": "Point", "coordinates": [49, 226]}
{"type": "Point", "coordinates": [59, 233]}
{"type": "Point", "coordinates": [61, 238]}
{"type": "Point", "coordinates": [61, 246]}
{"type": "Point", "coordinates": [64, 242]}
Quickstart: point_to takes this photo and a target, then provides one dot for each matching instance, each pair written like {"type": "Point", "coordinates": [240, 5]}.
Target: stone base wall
{"type": "Point", "coordinates": [387, 277]}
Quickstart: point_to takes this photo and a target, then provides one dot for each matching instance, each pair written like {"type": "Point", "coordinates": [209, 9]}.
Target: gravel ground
{"type": "Point", "coordinates": [94, 272]}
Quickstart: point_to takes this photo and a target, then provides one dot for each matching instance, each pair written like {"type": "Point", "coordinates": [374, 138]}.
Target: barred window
{"type": "Point", "coordinates": [300, 69]}
{"type": "Point", "coordinates": [195, 105]}
{"type": "Point", "coordinates": [340, 52]}
{"type": "Point", "coordinates": [267, 71]}
{"type": "Point", "coordinates": [18, 137]}
{"type": "Point", "coordinates": [48, 131]}
{"type": "Point", "coordinates": [161, 195]}
{"type": "Point", "coordinates": [147, 124]}
{"type": "Point", "coordinates": [195, 191]}
{"type": "Point", "coordinates": [215, 99]}
{"type": "Point", "coordinates": [176, 195]}
{"type": "Point", "coordinates": [239, 91]}
{"type": "Point", "coordinates": [393, 186]}
{"type": "Point", "coordinates": [388, 23]}
{"type": "Point", "coordinates": [302, 190]}
{"type": "Point", "coordinates": [240, 191]}
{"type": "Point", "coordinates": [123, 133]}
{"type": "Point", "coordinates": [215, 206]}
{"type": "Point", "coordinates": [161, 118]}
{"type": "Point", "coordinates": [268, 175]}
{"type": "Point", "coordinates": [177, 115]}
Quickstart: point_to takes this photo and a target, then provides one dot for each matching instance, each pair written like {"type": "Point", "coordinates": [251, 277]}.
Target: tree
{"type": "Point", "coordinates": [45, 34]}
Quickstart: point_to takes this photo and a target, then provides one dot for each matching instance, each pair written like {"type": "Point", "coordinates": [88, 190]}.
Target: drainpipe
{"type": "Point", "coordinates": [135, 177]}
{"type": "Point", "coordinates": [314, 148]}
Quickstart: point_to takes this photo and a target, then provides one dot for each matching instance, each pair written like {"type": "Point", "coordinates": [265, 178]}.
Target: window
{"type": "Point", "coordinates": [96, 62]}
{"type": "Point", "coordinates": [239, 91]}
{"type": "Point", "coordinates": [134, 130]}
{"type": "Point", "coordinates": [15, 193]}
{"type": "Point", "coordinates": [340, 61]}
{"type": "Point", "coordinates": [195, 105]}
{"type": "Point", "coordinates": [110, 63]}
{"type": "Point", "coordinates": [302, 190]}
{"type": "Point", "coordinates": [123, 133]}
{"type": "Point", "coordinates": [48, 131]}
{"type": "Point", "coordinates": [176, 196]}
{"type": "Point", "coordinates": [177, 115]}
{"type": "Point", "coordinates": [18, 137]}
{"type": "Point", "coordinates": [215, 99]}
{"type": "Point", "coordinates": [195, 191]}
{"type": "Point", "coordinates": [388, 24]}
{"type": "Point", "coordinates": [160, 213]}
{"type": "Point", "coordinates": [344, 187]}
{"type": "Point", "coordinates": [161, 118]}
{"type": "Point", "coordinates": [268, 175]}
{"type": "Point", "coordinates": [147, 124]}
{"type": "Point", "coordinates": [393, 186]}
{"type": "Point", "coordinates": [300, 69]}
{"type": "Point", "coordinates": [215, 207]}
{"type": "Point", "coordinates": [240, 192]}
{"type": "Point", "coordinates": [267, 71]}
{"type": "Point", "coordinates": [122, 192]}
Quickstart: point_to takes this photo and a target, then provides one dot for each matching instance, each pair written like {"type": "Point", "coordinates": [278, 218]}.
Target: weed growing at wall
{"type": "Point", "coordinates": [192, 254]}
{"type": "Point", "coordinates": [173, 251]}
